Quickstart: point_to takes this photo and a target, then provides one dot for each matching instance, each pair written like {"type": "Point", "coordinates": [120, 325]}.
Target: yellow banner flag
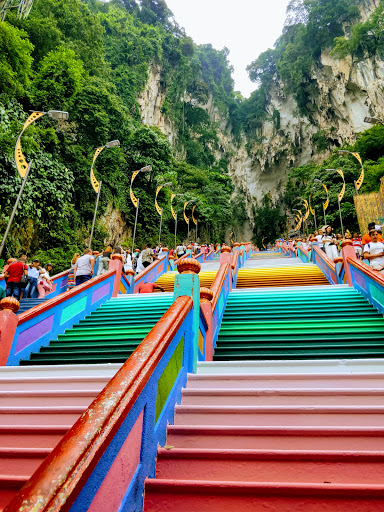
{"type": "Point", "coordinates": [21, 163]}
{"type": "Point", "coordinates": [310, 207]}
{"type": "Point", "coordinates": [359, 182]}
{"type": "Point", "coordinates": [193, 218]}
{"type": "Point", "coordinates": [95, 184]}
{"type": "Point", "coordinates": [326, 204]}
{"type": "Point", "coordinates": [159, 210]}
{"type": "Point", "coordinates": [133, 197]}
{"type": "Point", "coordinates": [341, 195]}
{"type": "Point", "coordinates": [172, 210]}
{"type": "Point", "coordinates": [185, 217]}
{"type": "Point", "coordinates": [358, 157]}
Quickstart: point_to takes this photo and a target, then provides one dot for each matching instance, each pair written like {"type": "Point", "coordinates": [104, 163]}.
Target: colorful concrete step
{"type": "Point", "coordinates": [305, 466]}
{"type": "Point", "coordinates": [368, 368]}
{"type": "Point", "coordinates": [108, 335]}
{"type": "Point", "coordinates": [38, 406]}
{"type": "Point", "coordinates": [276, 438]}
{"type": "Point", "coordinates": [211, 496]}
{"type": "Point", "coordinates": [337, 416]}
{"type": "Point", "coordinates": [281, 397]}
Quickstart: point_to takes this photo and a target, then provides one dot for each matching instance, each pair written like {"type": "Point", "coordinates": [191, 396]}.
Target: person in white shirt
{"type": "Point", "coordinates": [374, 252]}
{"type": "Point", "coordinates": [34, 271]}
{"type": "Point", "coordinates": [181, 250]}
{"type": "Point", "coordinates": [319, 238]}
{"type": "Point", "coordinates": [329, 241]}
{"type": "Point", "coordinates": [83, 269]}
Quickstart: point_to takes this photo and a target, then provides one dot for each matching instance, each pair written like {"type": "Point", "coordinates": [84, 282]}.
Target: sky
{"type": "Point", "coordinates": [245, 27]}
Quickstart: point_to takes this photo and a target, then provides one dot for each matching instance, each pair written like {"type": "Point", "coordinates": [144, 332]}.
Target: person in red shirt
{"type": "Point", "coordinates": [366, 238]}
{"type": "Point", "coordinates": [14, 274]}
{"type": "Point", "coordinates": [149, 287]}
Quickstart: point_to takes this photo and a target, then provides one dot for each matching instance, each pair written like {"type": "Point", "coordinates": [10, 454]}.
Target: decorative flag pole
{"type": "Point", "coordinates": [96, 184]}
{"type": "Point", "coordinates": [21, 164]}
{"type": "Point", "coordinates": [326, 204]}
{"type": "Point", "coordinates": [135, 200]}
{"type": "Point", "coordinates": [359, 182]}
{"type": "Point", "coordinates": [158, 208]}
{"type": "Point", "coordinates": [340, 196]}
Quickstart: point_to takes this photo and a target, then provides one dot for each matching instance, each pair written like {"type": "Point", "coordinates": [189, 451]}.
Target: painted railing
{"type": "Point", "coordinates": [326, 264]}
{"type": "Point", "coordinates": [151, 273]}
{"type": "Point", "coordinates": [368, 282]}
{"type": "Point", "coordinates": [101, 463]}
{"type": "Point", "coordinates": [235, 268]}
{"type": "Point", "coordinates": [34, 328]}
{"type": "Point", "coordinates": [200, 257]}
{"type": "Point", "coordinates": [303, 254]}
{"type": "Point", "coordinates": [221, 287]}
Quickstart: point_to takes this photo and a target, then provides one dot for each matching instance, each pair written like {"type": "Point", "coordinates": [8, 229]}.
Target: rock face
{"type": "Point", "coordinates": [348, 91]}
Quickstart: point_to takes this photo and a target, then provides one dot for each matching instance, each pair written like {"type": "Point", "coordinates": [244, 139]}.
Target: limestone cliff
{"type": "Point", "coordinates": [347, 92]}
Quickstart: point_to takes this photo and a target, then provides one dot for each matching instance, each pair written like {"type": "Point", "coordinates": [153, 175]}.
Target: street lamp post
{"type": "Point", "coordinates": [340, 196]}
{"type": "Point", "coordinates": [136, 200]}
{"type": "Point", "coordinates": [325, 205]}
{"type": "Point", "coordinates": [160, 210]}
{"type": "Point", "coordinates": [21, 164]}
{"type": "Point", "coordinates": [96, 184]}
{"type": "Point", "coordinates": [359, 182]}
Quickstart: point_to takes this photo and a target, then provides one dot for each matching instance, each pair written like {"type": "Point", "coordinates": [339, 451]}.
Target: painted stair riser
{"type": "Point", "coordinates": [336, 468]}
{"type": "Point", "coordinates": [288, 381]}
{"type": "Point", "coordinates": [190, 497]}
{"type": "Point", "coordinates": [39, 416]}
{"type": "Point", "coordinates": [54, 398]}
{"type": "Point", "coordinates": [95, 385]}
{"type": "Point", "coordinates": [273, 416]}
{"type": "Point", "coordinates": [282, 398]}
{"type": "Point", "coordinates": [21, 466]}
{"type": "Point", "coordinates": [268, 438]}
{"type": "Point", "coordinates": [28, 437]}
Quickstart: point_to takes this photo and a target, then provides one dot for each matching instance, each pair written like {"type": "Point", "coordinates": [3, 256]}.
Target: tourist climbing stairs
{"type": "Point", "coordinates": [108, 335]}
{"type": "Point", "coordinates": [38, 405]}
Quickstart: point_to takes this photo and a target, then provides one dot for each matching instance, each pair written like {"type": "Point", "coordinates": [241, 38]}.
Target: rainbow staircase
{"type": "Point", "coordinates": [108, 335]}
{"type": "Point", "coordinates": [290, 414]}
{"type": "Point", "coordinates": [38, 405]}
{"type": "Point", "coordinates": [284, 436]}
{"type": "Point", "coordinates": [300, 323]}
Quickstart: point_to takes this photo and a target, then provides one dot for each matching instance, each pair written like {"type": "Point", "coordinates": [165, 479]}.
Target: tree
{"type": "Point", "coordinates": [59, 78]}
{"type": "Point", "coordinates": [15, 60]}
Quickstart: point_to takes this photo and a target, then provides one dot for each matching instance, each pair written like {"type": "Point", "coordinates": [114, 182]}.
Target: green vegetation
{"type": "Point", "coordinates": [94, 59]}
{"type": "Point", "coordinates": [370, 146]}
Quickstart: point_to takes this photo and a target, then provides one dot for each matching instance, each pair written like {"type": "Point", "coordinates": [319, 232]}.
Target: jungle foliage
{"type": "Point", "coordinates": [93, 59]}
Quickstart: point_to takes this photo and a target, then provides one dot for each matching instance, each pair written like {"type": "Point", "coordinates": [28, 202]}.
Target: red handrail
{"type": "Point", "coordinates": [325, 258]}
{"type": "Point", "coordinates": [218, 283]}
{"type": "Point", "coordinates": [149, 268]}
{"type": "Point", "coordinates": [72, 460]}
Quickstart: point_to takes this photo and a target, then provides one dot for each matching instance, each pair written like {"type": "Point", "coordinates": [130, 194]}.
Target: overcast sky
{"type": "Point", "coordinates": [245, 27]}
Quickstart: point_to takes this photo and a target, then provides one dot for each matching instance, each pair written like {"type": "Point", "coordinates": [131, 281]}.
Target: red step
{"type": "Point", "coordinates": [334, 467]}
{"type": "Point", "coordinates": [275, 438]}
{"type": "Point", "coordinates": [206, 496]}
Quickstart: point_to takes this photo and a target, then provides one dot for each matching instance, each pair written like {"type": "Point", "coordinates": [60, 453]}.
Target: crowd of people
{"type": "Point", "coordinates": [368, 247]}
{"type": "Point", "coordinates": [23, 279]}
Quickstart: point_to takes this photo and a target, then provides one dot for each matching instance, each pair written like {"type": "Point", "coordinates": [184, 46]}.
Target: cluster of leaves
{"type": "Point", "coordinates": [93, 59]}
{"type": "Point", "coordinates": [301, 183]}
